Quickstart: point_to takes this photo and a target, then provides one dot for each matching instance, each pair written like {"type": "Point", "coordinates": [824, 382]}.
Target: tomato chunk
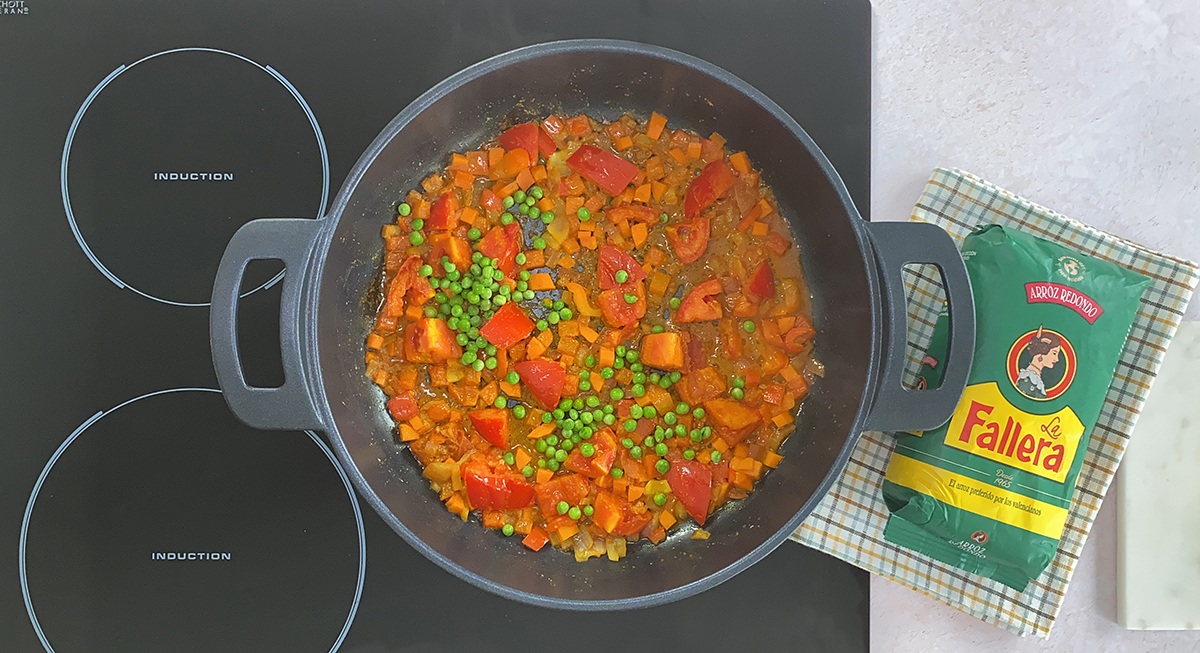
{"type": "Point", "coordinates": [701, 304]}
{"type": "Point", "coordinates": [691, 483]}
{"type": "Point", "coordinates": [613, 259]}
{"type": "Point", "coordinates": [798, 336]}
{"type": "Point", "coordinates": [502, 243]}
{"type": "Point", "coordinates": [762, 281]}
{"type": "Point", "coordinates": [444, 212]}
{"type": "Point", "coordinates": [546, 142]}
{"type": "Point", "coordinates": [605, 169]}
{"type": "Point", "coordinates": [524, 136]}
{"type": "Point", "coordinates": [571, 488]}
{"type": "Point", "coordinates": [491, 201]}
{"type": "Point", "coordinates": [492, 424]}
{"type": "Point", "coordinates": [490, 489]}
{"type": "Point", "coordinates": [545, 380]}
{"type": "Point", "coordinates": [714, 181]}
{"type": "Point", "coordinates": [615, 515]}
{"type": "Point", "coordinates": [663, 351]}
{"type": "Point", "coordinates": [617, 311]}
{"type": "Point", "coordinates": [508, 326]}
{"type": "Point", "coordinates": [701, 385]}
{"type": "Point", "coordinates": [689, 239]}
{"type": "Point", "coordinates": [430, 340]}
{"type": "Point", "coordinates": [403, 407]}
{"type": "Point", "coordinates": [599, 463]}
{"type": "Point", "coordinates": [407, 282]}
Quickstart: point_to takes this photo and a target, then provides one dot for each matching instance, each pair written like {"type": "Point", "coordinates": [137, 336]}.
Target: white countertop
{"type": "Point", "coordinates": [1089, 108]}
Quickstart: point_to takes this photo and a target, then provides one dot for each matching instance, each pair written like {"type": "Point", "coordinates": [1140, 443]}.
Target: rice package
{"type": "Point", "coordinates": [989, 491]}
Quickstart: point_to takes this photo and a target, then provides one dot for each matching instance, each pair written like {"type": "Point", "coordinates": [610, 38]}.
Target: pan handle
{"type": "Point", "coordinates": [896, 408]}
{"type": "Point", "coordinates": [290, 406]}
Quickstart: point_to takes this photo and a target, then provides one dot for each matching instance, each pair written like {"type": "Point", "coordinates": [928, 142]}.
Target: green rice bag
{"type": "Point", "coordinates": [989, 491]}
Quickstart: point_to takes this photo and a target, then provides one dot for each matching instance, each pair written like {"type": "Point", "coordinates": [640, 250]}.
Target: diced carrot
{"type": "Point", "coordinates": [742, 450]}
{"type": "Point", "coordinates": [374, 341]}
{"type": "Point", "coordinates": [458, 161]}
{"type": "Point", "coordinates": [524, 179]}
{"type": "Point", "coordinates": [414, 312]}
{"type": "Point", "coordinates": [588, 332]}
{"type": "Point", "coordinates": [579, 126]}
{"type": "Point", "coordinates": [456, 505]}
{"type": "Point", "coordinates": [620, 485]}
{"type": "Point", "coordinates": [546, 204]}
{"type": "Point", "coordinates": [743, 480]}
{"type": "Point", "coordinates": [521, 457]}
{"type": "Point", "coordinates": [566, 531]}
{"type": "Point", "coordinates": [541, 281]}
{"type": "Point", "coordinates": [642, 194]}
{"type": "Point", "coordinates": [565, 261]}
{"type": "Point", "coordinates": [463, 179]}
{"type": "Point", "coordinates": [623, 143]}
{"type": "Point", "coordinates": [658, 284]}
{"type": "Point", "coordinates": [539, 173]}
{"type": "Point", "coordinates": [408, 378]}
{"type": "Point", "coordinates": [666, 519]}
{"type": "Point", "coordinates": [587, 240]}
{"type": "Point", "coordinates": [678, 155]}
{"type": "Point", "coordinates": [720, 445]}
{"type": "Point", "coordinates": [772, 459]}
{"type": "Point", "coordinates": [546, 338]}
{"type": "Point", "coordinates": [750, 219]}
{"type": "Point", "coordinates": [783, 419]}
{"type": "Point", "coordinates": [594, 203]}
{"type": "Point", "coordinates": [537, 537]}
{"type": "Point", "coordinates": [693, 151]}
{"type": "Point", "coordinates": [407, 433]}
{"type": "Point", "coordinates": [640, 233]}
{"type": "Point", "coordinates": [511, 389]}
{"type": "Point", "coordinates": [623, 226]}
{"type": "Point", "coordinates": [655, 128]}
{"type": "Point", "coordinates": [760, 229]}
{"type": "Point", "coordinates": [788, 373]}
{"type": "Point", "coordinates": [740, 162]}
{"type": "Point", "coordinates": [535, 349]}
{"type": "Point", "coordinates": [597, 380]}
{"type": "Point", "coordinates": [607, 355]}
{"type": "Point", "coordinates": [765, 207]}
{"type": "Point", "coordinates": [657, 188]}
{"type": "Point", "coordinates": [469, 215]}
{"type": "Point", "coordinates": [572, 205]}
{"type": "Point", "coordinates": [508, 189]}
{"type": "Point", "coordinates": [534, 258]}
{"type": "Point", "coordinates": [636, 492]}
{"type": "Point", "coordinates": [658, 535]}
{"type": "Point", "coordinates": [786, 323]}
{"type": "Point", "coordinates": [570, 246]}
{"type": "Point", "coordinates": [438, 411]}
{"type": "Point", "coordinates": [494, 155]}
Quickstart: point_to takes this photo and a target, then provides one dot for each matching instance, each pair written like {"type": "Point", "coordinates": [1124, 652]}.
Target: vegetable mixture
{"type": "Point", "coordinates": [592, 333]}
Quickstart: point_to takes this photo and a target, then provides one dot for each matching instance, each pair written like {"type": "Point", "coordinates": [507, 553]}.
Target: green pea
{"type": "Point", "coordinates": [535, 213]}
{"type": "Point", "coordinates": [552, 440]}
{"type": "Point", "coordinates": [697, 435]}
{"type": "Point", "coordinates": [636, 367]}
{"type": "Point", "coordinates": [674, 303]}
{"type": "Point", "coordinates": [506, 219]}
{"type": "Point", "coordinates": [536, 191]}
{"type": "Point", "coordinates": [541, 446]}
{"type": "Point", "coordinates": [593, 402]}
{"type": "Point", "coordinates": [547, 418]}
{"type": "Point", "coordinates": [568, 443]}
{"type": "Point", "coordinates": [542, 325]}
{"type": "Point", "coordinates": [648, 442]}
{"type": "Point", "coordinates": [590, 361]}
{"type": "Point", "coordinates": [638, 390]}
{"type": "Point", "coordinates": [737, 393]}
{"type": "Point", "coordinates": [542, 463]}
{"type": "Point", "coordinates": [562, 506]}
{"type": "Point", "coordinates": [509, 459]}
{"type": "Point", "coordinates": [500, 402]}
{"type": "Point", "coordinates": [682, 408]}
{"type": "Point", "coordinates": [654, 377]}
{"type": "Point", "coordinates": [529, 201]}
{"type": "Point", "coordinates": [716, 457]}
{"type": "Point", "coordinates": [608, 409]}
{"type": "Point", "coordinates": [629, 299]}
{"type": "Point", "coordinates": [587, 449]}
{"type": "Point", "coordinates": [527, 471]}
{"type": "Point", "coordinates": [404, 209]}
{"type": "Point", "coordinates": [607, 373]}
{"type": "Point", "coordinates": [748, 326]}
{"type": "Point", "coordinates": [585, 385]}
{"type": "Point", "coordinates": [539, 243]}
{"type": "Point", "coordinates": [560, 455]}
{"type": "Point", "coordinates": [548, 217]}
{"type": "Point", "coordinates": [474, 234]}
{"type": "Point", "coordinates": [630, 424]}
{"type": "Point", "coordinates": [660, 449]}
{"type": "Point", "coordinates": [657, 328]}
{"type": "Point", "coordinates": [426, 270]}
{"type": "Point", "coordinates": [662, 466]}
{"type": "Point", "coordinates": [448, 266]}
{"type": "Point", "coordinates": [527, 295]}
{"type": "Point", "coordinates": [680, 430]}
{"type": "Point", "coordinates": [583, 214]}
{"type": "Point", "coordinates": [508, 202]}
{"type": "Point", "coordinates": [574, 513]}
{"type": "Point", "coordinates": [431, 311]}
{"type": "Point", "coordinates": [698, 413]}
{"type": "Point", "coordinates": [588, 510]}
{"type": "Point", "coordinates": [478, 365]}
{"type": "Point", "coordinates": [619, 364]}
{"type": "Point", "coordinates": [636, 452]}
{"type": "Point", "coordinates": [415, 238]}
{"type": "Point", "coordinates": [622, 276]}
{"type": "Point", "coordinates": [617, 472]}
{"type": "Point", "coordinates": [523, 209]}
{"type": "Point", "coordinates": [521, 258]}
{"type": "Point", "coordinates": [609, 420]}
{"type": "Point", "coordinates": [675, 376]}
{"type": "Point", "coordinates": [662, 219]}
{"type": "Point", "coordinates": [565, 313]}
{"type": "Point", "coordinates": [635, 411]}
{"type": "Point", "coordinates": [586, 418]}
{"type": "Point", "coordinates": [689, 454]}
{"type": "Point", "coordinates": [552, 465]}
{"type": "Point", "coordinates": [507, 530]}
{"type": "Point", "coordinates": [649, 412]}
{"type": "Point", "coordinates": [631, 356]}
{"type": "Point", "coordinates": [519, 411]}
{"type": "Point", "coordinates": [669, 418]}
{"type": "Point", "coordinates": [512, 377]}
{"type": "Point", "coordinates": [739, 382]}
{"type": "Point", "coordinates": [519, 196]}
{"type": "Point", "coordinates": [660, 499]}
{"type": "Point", "coordinates": [617, 394]}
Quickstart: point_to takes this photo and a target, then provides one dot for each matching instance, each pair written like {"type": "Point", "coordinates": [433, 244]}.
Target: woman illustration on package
{"type": "Point", "coordinates": [1043, 351]}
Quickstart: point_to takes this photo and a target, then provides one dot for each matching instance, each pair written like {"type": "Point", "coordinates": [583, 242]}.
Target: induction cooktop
{"type": "Point", "coordinates": [137, 513]}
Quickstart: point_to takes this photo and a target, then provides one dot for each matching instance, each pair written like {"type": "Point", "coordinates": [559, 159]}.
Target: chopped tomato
{"type": "Point", "coordinates": [536, 539]}
{"type": "Point", "coordinates": [616, 309]}
{"type": "Point", "coordinates": [552, 125]}
{"type": "Point", "coordinates": [508, 326]}
{"type": "Point", "coordinates": [605, 169]}
{"type": "Point", "coordinates": [545, 380]}
{"type": "Point", "coordinates": [430, 340]}
{"type": "Point", "coordinates": [762, 281]}
{"type": "Point", "coordinates": [579, 126]}
{"type": "Point", "coordinates": [633, 213]}
{"type": "Point", "coordinates": [502, 243]}
{"type": "Point", "coordinates": [701, 304]}
{"type": "Point", "coordinates": [689, 239]}
{"type": "Point", "coordinates": [403, 407]}
{"type": "Point", "coordinates": [600, 462]}
{"type": "Point", "coordinates": [663, 351]}
{"type": "Point", "coordinates": [691, 483]}
{"type": "Point", "coordinates": [491, 201]}
{"type": "Point", "coordinates": [798, 336]}
{"type": "Point", "coordinates": [524, 136]}
{"type": "Point", "coordinates": [613, 259]}
{"type": "Point", "coordinates": [778, 244]}
{"type": "Point", "coordinates": [408, 282]}
{"type": "Point", "coordinates": [701, 385]}
{"type": "Point", "coordinates": [714, 181]}
{"type": "Point", "coordinates": [444, 213]}
{"type": "Point", "coordinates": [731, 337]}
{"type": "Point", "coordinates": [571, 488]}
{"type": "Point", "coordinates": [546, 142]}
{"type": "Point", "coordinates": [446, 245]}
{"type": "Point", "coordinates": [492, 424]}
{"type": "Point", "coordinates": [615, 515]}
{"type": "Point", "coordinates": [490, 489]}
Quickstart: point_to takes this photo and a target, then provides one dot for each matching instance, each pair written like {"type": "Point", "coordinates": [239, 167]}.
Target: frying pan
{"type": "Point", "coordinates": [852, 267]}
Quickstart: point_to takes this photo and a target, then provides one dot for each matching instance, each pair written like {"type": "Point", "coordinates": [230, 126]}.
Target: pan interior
{"type": "Point", "coordinates": [604, 83]}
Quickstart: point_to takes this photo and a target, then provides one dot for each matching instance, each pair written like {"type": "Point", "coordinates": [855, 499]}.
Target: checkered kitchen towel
{"type": "Point", "coordinates": [849, 521]}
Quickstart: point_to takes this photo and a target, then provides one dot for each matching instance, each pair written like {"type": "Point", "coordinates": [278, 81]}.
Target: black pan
{"type": "Point", "coordinates": [852, 266]}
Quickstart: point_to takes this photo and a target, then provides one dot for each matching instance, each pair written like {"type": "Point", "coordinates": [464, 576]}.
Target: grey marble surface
{"type": "Point", "coordinates": [1089, 108]}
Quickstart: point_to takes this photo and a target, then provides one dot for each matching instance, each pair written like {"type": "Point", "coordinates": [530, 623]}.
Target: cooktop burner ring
{"type": "Point", "coordinates": [25, 522]}
{"type": "Point", "coordinates": [66, 196]}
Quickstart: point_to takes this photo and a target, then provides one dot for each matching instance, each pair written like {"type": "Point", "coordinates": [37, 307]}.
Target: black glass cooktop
{"type": "Point", "coordinates": [136, 513]}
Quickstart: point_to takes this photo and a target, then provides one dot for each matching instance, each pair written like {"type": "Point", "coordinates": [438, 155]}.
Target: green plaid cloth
{"type": "Point", "coordinates": [849, 522]}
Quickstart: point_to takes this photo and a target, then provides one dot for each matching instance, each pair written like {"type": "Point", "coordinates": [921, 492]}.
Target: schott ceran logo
{"type": "Point", "coordinates": [190, 555]}
{"type": "Point", "coordinates": [13, 8]}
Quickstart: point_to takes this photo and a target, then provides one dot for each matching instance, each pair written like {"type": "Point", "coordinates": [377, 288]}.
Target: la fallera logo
{"type": "Point", "coordinates": [1041, 364]}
